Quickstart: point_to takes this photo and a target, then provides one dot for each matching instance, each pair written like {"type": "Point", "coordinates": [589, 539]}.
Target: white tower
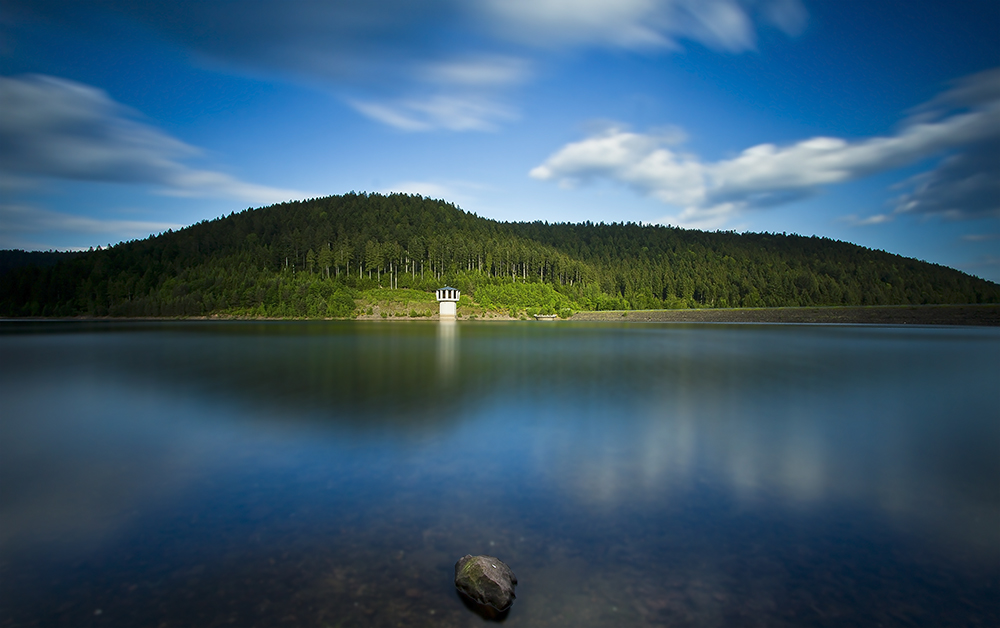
{"type": "Point", "coordinates": [448, 298]}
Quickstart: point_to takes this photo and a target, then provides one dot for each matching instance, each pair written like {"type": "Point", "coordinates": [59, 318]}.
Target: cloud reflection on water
{"type": "Point", "coordinates": [876, 425]}
{"type": "Point", "coordinates": [611, 418]}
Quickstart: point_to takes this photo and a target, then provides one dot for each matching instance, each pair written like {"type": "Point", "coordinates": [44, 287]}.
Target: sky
{"type": "Point", "coordinates": [876, 123]}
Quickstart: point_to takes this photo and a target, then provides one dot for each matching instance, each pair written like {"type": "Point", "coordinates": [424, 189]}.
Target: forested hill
{"type": "Point", "coordinates": [316, 257]}
{"type": "Point", "coordinates": [12, 259]}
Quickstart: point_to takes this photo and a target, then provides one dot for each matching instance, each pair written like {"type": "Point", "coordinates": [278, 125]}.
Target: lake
{"type": "Point", "coordinates": [331, 473]}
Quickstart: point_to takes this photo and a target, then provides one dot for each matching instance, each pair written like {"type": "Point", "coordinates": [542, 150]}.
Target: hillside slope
{"type": "Point", "coordinates": [311, 258]}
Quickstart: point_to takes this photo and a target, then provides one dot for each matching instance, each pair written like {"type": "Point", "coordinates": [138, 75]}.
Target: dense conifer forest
{"type": "Point", "coordinates": [16, 258]}
{"type": "Point", "coordinates": [321, 257]}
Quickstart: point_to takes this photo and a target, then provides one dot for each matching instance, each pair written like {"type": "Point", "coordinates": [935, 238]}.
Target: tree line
{"type": "Point", "coordinates": [312, 257]}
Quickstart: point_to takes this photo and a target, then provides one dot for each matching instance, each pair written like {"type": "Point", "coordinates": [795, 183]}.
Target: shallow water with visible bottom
{"type": "Point", "coordinates": [331, 473]}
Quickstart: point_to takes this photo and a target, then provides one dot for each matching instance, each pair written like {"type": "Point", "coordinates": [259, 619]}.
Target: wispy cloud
{"type": "Point", "coordinates": [454, 113]}
{"type": "Point", "coordinates": [406, 63]}
{"type": "Point", "coordinates": [460, 95]}
{"type": "Point", "coordinates": [724, 25]}
{"type": "Point", "coordinates": [55, 128]}
{"type": "Point", "coordinates": [965, 185]}
{"type": "Point", "coordinates": [346, 40]}
{"type": "Point", "coordinates": [863, 221]}
{"type": "Point", "coordinates": [711, 193]}
{"type": "Point", "coordinates": [21, 225]}
{"type": "Point", "coordinates": [981, 237]}
{"type": "Point", "coordinates": [318, 40]}
{"type": "Point", "coordinates": [492, 71]}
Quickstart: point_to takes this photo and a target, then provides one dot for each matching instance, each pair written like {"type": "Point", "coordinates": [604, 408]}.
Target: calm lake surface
{"type": "Point", "coordinates": [330, 474]}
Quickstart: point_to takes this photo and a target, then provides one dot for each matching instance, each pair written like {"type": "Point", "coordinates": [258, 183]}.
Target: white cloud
{"type": "Point", "coordinates": [710, 193]}
{"type": "Point", "coordinates": [466, 96]}
{"type": "Point", "coordinates": [55, 128]}
{"type": "Point", "coordinates": [977, 90]}
{"type": "Point", "coordinates": [206, 183]}
{"type": "Point", "coordinates": [454, 113]}
{"type": "Point", "coordinates": [481, 72]}
{"type": "Point", "coordinates": [394, 116]}
{"type": "Point", "coordinates": [640, 161]}
{"type": "Point", "coordinates": [561, 22]}
{"type": "Point", "coordinates": [788, 15]}
{"type": "Point", "coordinates": [964, 185]}
{"type": "Point", "coordinates": [400, 49]}
{"type": "Point", "coordinates": [725, 25]}
{"type": "Point", "coordinates": [18, 222]}
{"type": "Point", "coordinates": [345, 40]}
{"type": "Point", "coordinates": [863, 221]}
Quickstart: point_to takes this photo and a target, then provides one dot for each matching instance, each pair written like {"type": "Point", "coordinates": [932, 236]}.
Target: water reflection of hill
{"type": "Point", "coordinates": [633, 475]}
{"type": "Point", "coordinates": [618, 417]}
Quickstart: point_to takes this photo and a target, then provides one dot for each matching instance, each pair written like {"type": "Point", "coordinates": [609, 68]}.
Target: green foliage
{"type": "Point", "coordinates": [16, 258]}
{"type": "Point", "coordinates": [403, 295]}
{"type": "Point", "coordinates": [315, 258]}
{"type": "Point", "coordinates": [539, 297]}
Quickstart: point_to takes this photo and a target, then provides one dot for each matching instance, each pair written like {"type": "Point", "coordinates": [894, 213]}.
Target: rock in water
{"type": "Point", "coordinates": [487, 580]}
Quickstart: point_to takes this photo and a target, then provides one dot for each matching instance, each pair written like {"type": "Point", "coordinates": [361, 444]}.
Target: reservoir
{"type": "Point", "coordinates": [332, 473]}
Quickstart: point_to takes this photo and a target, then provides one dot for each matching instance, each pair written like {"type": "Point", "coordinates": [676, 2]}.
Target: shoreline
{"type": "Point", "coordinates": [984, 315]}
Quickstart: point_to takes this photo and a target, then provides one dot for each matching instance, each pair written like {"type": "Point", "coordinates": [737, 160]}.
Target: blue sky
{"type": "Point", "coordinates": [872, 122]}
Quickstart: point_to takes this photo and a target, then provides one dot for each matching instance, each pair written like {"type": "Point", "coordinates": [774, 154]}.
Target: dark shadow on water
{"type": "Point", "coordinates": [485, 611]}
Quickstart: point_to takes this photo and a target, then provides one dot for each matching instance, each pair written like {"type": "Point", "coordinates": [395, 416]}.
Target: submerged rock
{"type": "Point", "coordinates": [486, 580]}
